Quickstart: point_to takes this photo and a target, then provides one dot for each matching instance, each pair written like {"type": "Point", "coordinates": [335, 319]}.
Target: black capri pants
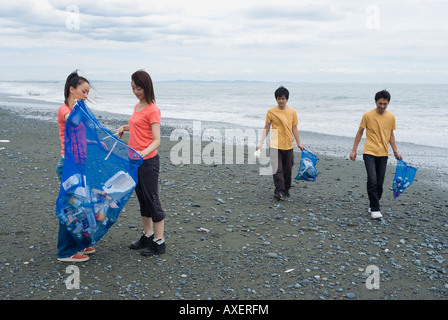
{"type": "Point", "coordinates": [147, 189]}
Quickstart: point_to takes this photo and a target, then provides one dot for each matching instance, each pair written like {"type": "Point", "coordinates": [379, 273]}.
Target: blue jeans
{"type": "Point", "coordinates": [67, 246]}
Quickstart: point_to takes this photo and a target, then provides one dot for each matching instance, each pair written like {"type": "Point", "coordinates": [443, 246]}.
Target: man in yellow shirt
{"type": "Point", "coordinates": [284, 129]}
{"type": "Point", "coordinates": [379, 125]}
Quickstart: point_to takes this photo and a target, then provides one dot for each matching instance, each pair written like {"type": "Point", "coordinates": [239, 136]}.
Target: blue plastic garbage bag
{"type": "Point", "coordinates": [404, 176]}
{"type": "Point", "coordinates": [307, 169]}
{"type": "Point", "coordinates": [99, 175]}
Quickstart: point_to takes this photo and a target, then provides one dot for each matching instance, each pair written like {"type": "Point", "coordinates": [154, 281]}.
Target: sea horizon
{"type": "Point", "coordinates": [329, 114]}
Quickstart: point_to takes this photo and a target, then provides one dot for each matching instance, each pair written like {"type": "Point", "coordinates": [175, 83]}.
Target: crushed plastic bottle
{"type": "Point", "coordinates": [72, 182]}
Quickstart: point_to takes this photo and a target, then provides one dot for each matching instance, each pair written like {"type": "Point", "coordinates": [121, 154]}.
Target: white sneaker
{"type": "Point", "coordinates": [376, 214]}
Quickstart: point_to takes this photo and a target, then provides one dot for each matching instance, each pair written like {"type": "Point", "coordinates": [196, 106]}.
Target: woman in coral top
{"type": "Point", "coordinates": [144, 128]}
{"type": "Point", "coordinates": [76, 88]}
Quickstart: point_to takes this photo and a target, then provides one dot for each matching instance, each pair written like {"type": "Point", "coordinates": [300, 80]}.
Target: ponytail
{"type": "Point", "coordinates": [73, 80]}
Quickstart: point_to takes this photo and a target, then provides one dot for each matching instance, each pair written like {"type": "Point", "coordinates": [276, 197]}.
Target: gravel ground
{"type": "Point", "coordinates": [227, 238]}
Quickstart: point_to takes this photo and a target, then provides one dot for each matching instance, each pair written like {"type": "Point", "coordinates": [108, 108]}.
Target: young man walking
{"type": "Point", "coordinates": [284, 124]}
{"type": "Point", "coordinates": [379, 125]}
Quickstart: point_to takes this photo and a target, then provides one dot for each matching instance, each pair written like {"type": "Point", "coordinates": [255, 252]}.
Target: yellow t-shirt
{"type": "Point", "coordinates": [378, 129]}
{"type": "Point", "coordinates": [282, 122]}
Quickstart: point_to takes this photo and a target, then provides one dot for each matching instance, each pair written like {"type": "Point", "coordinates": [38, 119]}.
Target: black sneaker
{"type": "Point", "coordinates": [143, 242]}
{"type": "Point", "coordinates": [154, 249]}
{"type": "Point", "coordinates": [279, 196]}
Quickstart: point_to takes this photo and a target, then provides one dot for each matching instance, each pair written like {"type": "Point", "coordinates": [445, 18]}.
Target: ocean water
{"type": "Point", "coordinates": [329, 114]}
{"type": "Point", "coordinates": [421, 110]}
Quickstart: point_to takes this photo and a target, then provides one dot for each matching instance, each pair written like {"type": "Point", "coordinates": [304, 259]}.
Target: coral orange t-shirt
{"type": "Point", "coordinates": [140, 130]}
{"type": "Point", "coordinates": [78, 140]}
{"type": "Point", "coordinates": [62, 111]}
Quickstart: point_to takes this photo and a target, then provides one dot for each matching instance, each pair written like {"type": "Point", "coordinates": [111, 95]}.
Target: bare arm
{"type": "Point", "coordinates": [356, 143]}
{"type": "Point", "coordinates": [156, 140]}
{"type": "Point", "coordinates": [394, 146]}
{"type": "Point", "coordinates": [295, 132]}
{"type": "Point", "coordinates": [266, 129]}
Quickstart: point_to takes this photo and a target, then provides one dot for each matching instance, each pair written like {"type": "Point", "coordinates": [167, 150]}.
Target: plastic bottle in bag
{"type": "Point", "coordinates": [86, 229]}
{"type": "Point", "coordinates": [66, 215]}
{"type": "Point", "coordinates": [63, 216]}
{"type": "Point", "coordinates": [72, 182]}
{"type": "Point", "coordinates": [75, 202]}
{"type": "Point", "coordinates": [99, 199]}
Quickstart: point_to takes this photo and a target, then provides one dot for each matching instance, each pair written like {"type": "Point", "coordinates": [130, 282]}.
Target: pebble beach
{"type": "Point", "coordinates": [227, 237]}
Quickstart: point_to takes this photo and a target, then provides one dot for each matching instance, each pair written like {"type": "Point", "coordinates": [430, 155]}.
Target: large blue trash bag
{"type": "Point", "coordinates": [99, 175]}
{"type": "Point", "coordinates": [307, 169]}
{"type": "Point", "coordinates": [404, 176]}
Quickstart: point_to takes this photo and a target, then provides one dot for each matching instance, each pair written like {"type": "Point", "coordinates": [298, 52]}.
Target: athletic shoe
{"type": "Point", "coordinates": [143, 242]}
{"type": "Point", "coordinates": [154, 249]}
{"type": "Point", "coordinates": [88, 250]}
{"type": "Point", "coordinates": [376, 214]}
{"type": "Point", "coordinates": [279, 196]}
{"type": "Point", "coordinates": [75, 258]}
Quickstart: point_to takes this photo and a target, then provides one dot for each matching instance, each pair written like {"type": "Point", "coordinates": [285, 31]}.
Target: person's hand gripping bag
{"type": "Point", "coordinates": [307, 169]}
{"type": "Point", "coordinates": [404, 176]}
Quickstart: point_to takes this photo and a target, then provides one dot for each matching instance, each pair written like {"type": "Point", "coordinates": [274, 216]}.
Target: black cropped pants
{"type": "Point", "coordinates": [147, 189]}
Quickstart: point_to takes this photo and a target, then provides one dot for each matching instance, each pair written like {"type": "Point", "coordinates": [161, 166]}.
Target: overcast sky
{"type": "Point", "coordinates": [277, 40]}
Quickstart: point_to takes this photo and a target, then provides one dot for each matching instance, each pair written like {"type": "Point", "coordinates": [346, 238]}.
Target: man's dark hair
{"type": "Point", "coordinates": [282, 91]}
{"type": "Point", "coordinates": [382, 95]}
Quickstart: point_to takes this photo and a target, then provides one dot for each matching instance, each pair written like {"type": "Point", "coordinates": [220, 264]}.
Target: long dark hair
{"type": "Point", "coordinates": [143, 80]}
{"type": "Point", "coordinates": [73, 80]}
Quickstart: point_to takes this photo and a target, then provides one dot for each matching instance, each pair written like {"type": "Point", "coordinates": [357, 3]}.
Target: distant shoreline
{"type": "Point", "coordinates": [433, 161]}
